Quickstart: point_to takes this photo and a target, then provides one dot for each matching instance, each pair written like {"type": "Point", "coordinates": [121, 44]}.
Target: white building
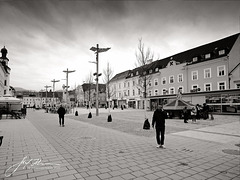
{"type": "Point", "coordinates": [4, 73]}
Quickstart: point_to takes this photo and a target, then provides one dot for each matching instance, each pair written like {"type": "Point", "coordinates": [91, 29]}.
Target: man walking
{"type": "Point", "coordinates": [158, 121]}
{"type": "Point", "coordinates": [61, 112]}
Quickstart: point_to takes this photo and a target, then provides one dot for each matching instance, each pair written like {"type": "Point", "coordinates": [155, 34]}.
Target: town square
{"type": "Point", "coordinates": [119, 90]}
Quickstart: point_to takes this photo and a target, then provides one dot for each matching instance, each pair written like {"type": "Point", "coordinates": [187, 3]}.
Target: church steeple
{"type": "Point", "coordinates": [4, 52]}
{"type": "Point", "coordinates": [4, 58]}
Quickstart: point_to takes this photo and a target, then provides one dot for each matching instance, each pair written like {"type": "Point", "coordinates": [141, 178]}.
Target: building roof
{"type": "Point", "coordinates": [212, 48]}
{"type": "Point", "coordinates": [121, 75]}
{"type": "Point", "coordinates": [89, 86]}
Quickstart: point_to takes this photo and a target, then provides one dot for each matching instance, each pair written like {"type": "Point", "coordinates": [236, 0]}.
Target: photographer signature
{"type": "Point", "coordinates": [28, 164]}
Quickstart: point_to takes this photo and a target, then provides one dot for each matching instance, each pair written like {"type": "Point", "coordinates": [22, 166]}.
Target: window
{"type": "Point", "coordinates": [156, 69]}
{"type": "Point", "coordinates": [221, 71]}
{"type": "Point", "coordinates": [150, 71]}
{"type": "Point", "coordinates": [172, 90]}
{"type": "Point", "coordinates": [133, 83]}
{"type": "Point", "coordinates": [180, 77]}
{"type": "Point", "coordinates": [128, 93]}
{"type": "Point", "coordinates": [164, 91]}
{"type": "Point", "coordinates": [207, 56]}
{"type": "Point", "coordinates": [137, 73]}
{"type": "Point", "coordinates": [155, 92]}
{"type": "Point", "coordinates": [164, 80]}
{"type": "Point", "coordinates": [155, 82]}
{"type": "Point", "coordinates": [119, 95]}
{"type": "Point", "coordinates": [221, 52]}
{"type": "Point", "coordinates": [150, 83]}
{"type": "Point", "coordinates": [149, 93]}
{"type": "Point", "coordinates": [171, 79]}
{"type": "Point", "coordinates": [222, 85]}
{"type": "Point", "coordinates": [119, 85]}
{"type": "Point", "coordinates": [208, 87]}
{"type": "Point", "coordinates": [180, 89]}
{"type": "Point", "coordinates": [238, 86]}
{"type": "Point", "coordinates": [139, 91]}
{"type": "Point", "coordinates": [131, 74]}
{"type": "Point", "coordinates": [207, 73]}
{"type": "Point", "coordinates": [124, 84]}
{"type": "Point", "coordinates": [194, 75]}
{"type": "Point", "coordinates": [5, 82]}
{"type": "Point", "coordinates": [194, 59]}
{"type": "Point", "coordinates": [195, 87]}
{"type": "Point", "coordinates": [133, 92]}
{"type": "Point", "coordinates": [128, 84]}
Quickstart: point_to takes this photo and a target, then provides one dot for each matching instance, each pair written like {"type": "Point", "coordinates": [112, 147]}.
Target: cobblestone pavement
{"type": "Point", "coordinates": [92, 149]}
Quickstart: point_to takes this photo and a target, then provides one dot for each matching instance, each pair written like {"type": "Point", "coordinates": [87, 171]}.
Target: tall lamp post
{"type": "Point", "coordinates": [97, 50]}
{"type": "Point", "coordinates": [54, 81]}
{"type": "Point", "coordinates": [67, 72]}
{"type": "Point", "coordinates": [46, 92]}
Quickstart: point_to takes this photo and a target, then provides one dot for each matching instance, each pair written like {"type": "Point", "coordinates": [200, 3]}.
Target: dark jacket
{"type": "Point", "coordinates": [159, 117]}
{"type": "Point", "coordinates": [61, 111]}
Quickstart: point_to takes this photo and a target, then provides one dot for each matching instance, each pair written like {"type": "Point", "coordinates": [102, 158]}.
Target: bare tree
{"type": "Point", "coordinates": [144, 56]}
{"type": "Point", "coordinates": [108, 74]}
{"type": "Point", "coordinates": [89, 81]}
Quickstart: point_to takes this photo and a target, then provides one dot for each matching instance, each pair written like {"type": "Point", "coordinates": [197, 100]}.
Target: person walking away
{"type": "Point", "coordinates": [197, 112]}
{"type": "Point", "coordinates": [205, 111]}
{"type": "Point", "coordinates": [185, 114]}
{"type": "Point", "coordinates": [61, 112]}
{"type": "Point", "coordinates": [158, 121]}
{"type": "Point", "coordinates": [193, 114]}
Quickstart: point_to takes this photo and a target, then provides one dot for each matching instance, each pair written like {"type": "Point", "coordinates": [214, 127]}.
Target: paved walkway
{"type": "Point", "coordinates": [37, 148]}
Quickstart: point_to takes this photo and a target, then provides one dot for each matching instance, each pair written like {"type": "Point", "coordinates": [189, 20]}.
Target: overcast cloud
{"type": "Point", "coordinates": [45, 37]}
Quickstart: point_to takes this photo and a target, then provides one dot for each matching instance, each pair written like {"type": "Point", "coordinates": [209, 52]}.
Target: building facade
{"type": "Point", "coordinates": [88, 94]}
{"type": "Point", "coordinates": [213, 68]}
{"type": "Point", "coordinates": [4, 73]}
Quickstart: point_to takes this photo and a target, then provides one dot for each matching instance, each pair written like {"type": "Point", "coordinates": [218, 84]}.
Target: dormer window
{"type": "Point", "coordinates": [131, 74]}
{"type": "Point", "coordinates": [150, 71]}
{"type": "Point", "coordinates": [194, 59]}
{"type": "Point", "coordinates": [137, 73]}
{"type": "Point", "coordinates": [221, 52]}
{"type": "Point", "coordinates": [144, 72]}
{"type": "Point", "coordinates": [156, 69]}
{"type": "Point", "coordinates": [207, 56]}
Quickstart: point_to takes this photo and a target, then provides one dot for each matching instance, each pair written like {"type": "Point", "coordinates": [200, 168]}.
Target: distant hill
{"type": "Point", "coordinates": [22, 89]}
{"type": "Point", "coordinates": [19, 89]}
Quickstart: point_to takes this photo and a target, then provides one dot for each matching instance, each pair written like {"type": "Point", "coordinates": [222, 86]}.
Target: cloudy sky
{"type": "Point", "coordinates": [45, 37]}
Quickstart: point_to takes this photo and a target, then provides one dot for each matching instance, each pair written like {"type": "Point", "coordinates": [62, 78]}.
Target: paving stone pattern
{"type": "Point", "coordinates": [83, 150]}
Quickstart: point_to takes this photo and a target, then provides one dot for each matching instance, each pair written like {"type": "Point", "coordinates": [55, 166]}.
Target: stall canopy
{"type": "Point", "coordinates": [9, 99]}
{"type": "Point", "coordinates": [178, 104]}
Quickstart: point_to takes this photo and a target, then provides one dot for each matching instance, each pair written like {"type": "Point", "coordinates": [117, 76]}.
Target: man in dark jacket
{"type": "Point", "coordinates": [158, 121]}
{"type": "Point", "coordinates": [61, 112]}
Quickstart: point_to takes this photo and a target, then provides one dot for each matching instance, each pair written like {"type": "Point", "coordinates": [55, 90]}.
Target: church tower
{"type": "Point", "coordinates": [4, 72]}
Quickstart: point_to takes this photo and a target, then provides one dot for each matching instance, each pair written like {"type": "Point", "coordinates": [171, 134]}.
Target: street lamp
{"type": "Point", "coordinates": [67, 72]}
{"type": "Point", "coordinates": [54, 81]}
{"type": "Point", "coordinates": [97, 50]}
{"type": "Point", "coordinates": [46, 92]}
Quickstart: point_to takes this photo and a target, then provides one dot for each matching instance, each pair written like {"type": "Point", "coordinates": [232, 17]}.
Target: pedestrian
{"type": "Point", "coordinates": [205, 111]}
{"type": "Point", "coordinates": [61, 112]}
{"type": "Point", "coordinates": [197, 112]}
{"type": "Point", "coordinates": [158, 121]}
{"type": "Point", "coordinates": [185, 114]}
{"type": "Point", "coordinates": [193, 114]}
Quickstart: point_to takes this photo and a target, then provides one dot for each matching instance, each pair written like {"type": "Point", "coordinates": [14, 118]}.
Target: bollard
{"type": "Point", "coordinates": [76, 113]}
{"type": "Point", "coordinates": [109, 118]}
{"type": "Point", "coordinates": [90, 115]}
{"type": "Point", "coordinates": [1, 138]}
